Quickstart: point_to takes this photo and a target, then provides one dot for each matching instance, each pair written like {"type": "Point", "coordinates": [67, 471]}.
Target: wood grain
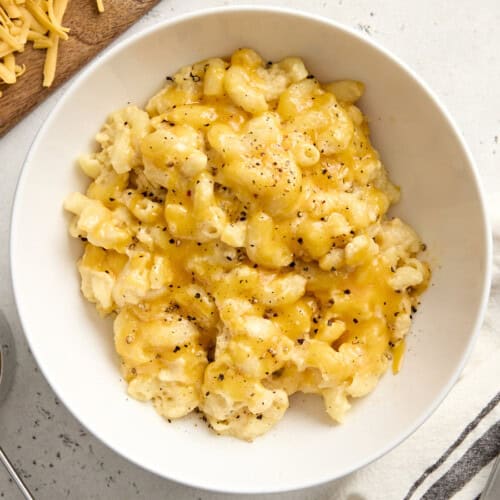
{"type": "Point", "coordinates": [90, 33]}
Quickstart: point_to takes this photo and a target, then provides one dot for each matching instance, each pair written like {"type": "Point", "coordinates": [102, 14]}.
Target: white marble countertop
{"type": "Point", "coordinates": [452, 45]}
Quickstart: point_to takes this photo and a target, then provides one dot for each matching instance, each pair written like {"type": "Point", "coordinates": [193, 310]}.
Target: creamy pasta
{"type": "Point", "coordinates": [236, 229]}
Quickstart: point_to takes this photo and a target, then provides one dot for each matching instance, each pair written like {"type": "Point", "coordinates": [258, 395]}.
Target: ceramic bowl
{"type": "Point", "coordinates": [441, 198]}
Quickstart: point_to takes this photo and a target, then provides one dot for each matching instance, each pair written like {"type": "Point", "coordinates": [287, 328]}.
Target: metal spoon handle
{"type": "Point", "coordinates": [15, 476]}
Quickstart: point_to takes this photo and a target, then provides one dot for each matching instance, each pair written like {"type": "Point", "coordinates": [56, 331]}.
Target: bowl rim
{"type": "Point", "coordinates": [297, 13]}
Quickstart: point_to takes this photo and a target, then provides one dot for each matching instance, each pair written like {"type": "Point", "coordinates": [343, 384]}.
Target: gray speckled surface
{"type": "Point", "coordinates": [452, 45]}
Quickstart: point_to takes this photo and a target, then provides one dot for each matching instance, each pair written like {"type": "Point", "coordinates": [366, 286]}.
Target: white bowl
{"type": "Point", "coordinates": [441, 199]}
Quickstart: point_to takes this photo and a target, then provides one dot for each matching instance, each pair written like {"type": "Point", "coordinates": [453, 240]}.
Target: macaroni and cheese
{"type": "Point", "coordinates": [236, 229]}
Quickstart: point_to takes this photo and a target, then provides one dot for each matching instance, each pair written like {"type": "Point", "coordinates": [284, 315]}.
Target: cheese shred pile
{"type": "Point", "coordinates": [36, 21]}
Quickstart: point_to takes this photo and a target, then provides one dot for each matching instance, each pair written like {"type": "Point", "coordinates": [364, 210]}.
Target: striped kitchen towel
{"type": "Point", "coordinates": [452, 454]}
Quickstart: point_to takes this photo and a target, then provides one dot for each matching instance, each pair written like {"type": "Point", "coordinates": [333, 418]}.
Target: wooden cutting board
{"type": "Point", "coordinates": [89, 33]}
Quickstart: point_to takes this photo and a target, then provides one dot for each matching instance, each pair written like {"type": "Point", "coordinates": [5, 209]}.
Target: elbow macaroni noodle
{"type": "Point", "coordinates": [236, 229]}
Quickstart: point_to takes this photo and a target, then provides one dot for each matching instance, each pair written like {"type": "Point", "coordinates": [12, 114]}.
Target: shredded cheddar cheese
{"type": "Point", "coordinates": [35, 21]}
{"type": "Point", "coordinates": [398, 352]}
